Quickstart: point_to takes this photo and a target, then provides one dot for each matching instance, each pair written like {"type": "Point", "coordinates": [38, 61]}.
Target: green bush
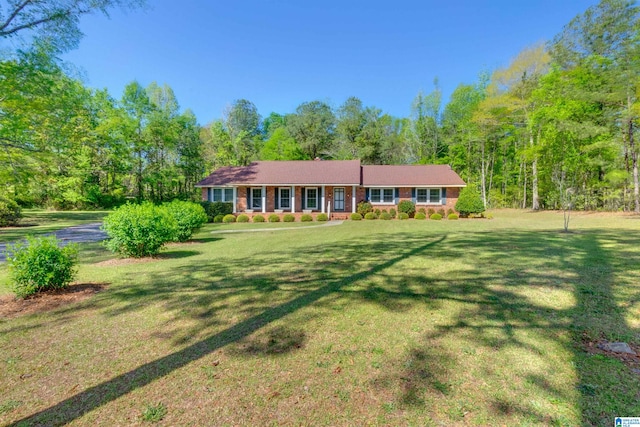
{"type": "Point", "coordinates": [274, 218]}
{"type": "Point", "coordinates": [407, 206]}
{"type": "Point", "coordinates": [441, 212]}
{"type": "Point", "coordinates": [364, 208]}
{"type": "Point", "coordinates": [258, 218]}
{"type": "Point", "coordinates": [450, 211]}
{"type": "Point", "coordinates": [430, 212]}
{"type": "Point", "coordinates": [322, 217]}
{"type": "Point", "coordinates": [218, 218]}
{"type": "Point", "coordinates": [377, 212]}
{"type": "Point", "coordinates": [229, 218]}
{"type": "Point", "coordinates": [420, 215]}
{"type": "Point", "coordinates": [214, 209]}
{"type": "Point", "coordinates": [10, 212]}
{"type": "Point", "coordinates": [243, 218]}
{"type": "Point", "coordinates": [370, 215]}
{"type": "Point", "coordinates": [385, 216]}
{"type": "Point", "coordinates": [392, 212]}
{"type": "Point", "coordinates": [469, 202]}
{"type": "Point", "coordinates": [452, 216]}
{"type": "Point", "coordinates": [139, 230]}
{"type": "Point", "coordinates": [189, 217]}
{"type": "Point", "coordinates": [422, 211]}
{"type": "Point", "coordinates": [355, 217]}
{"type": "Point", "coordinates": [436, 216]}
{"type": "Point", "coordinates": [403, 215]}
{"type": "Point", "coordinates": [289, 218]}
{"type": "Point", "coordinates": [306, 218]}
{"type": "Point", "coordinates": [41, 264]}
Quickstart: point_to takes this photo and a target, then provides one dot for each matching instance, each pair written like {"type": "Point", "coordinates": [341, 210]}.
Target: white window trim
{"type": "Point", "coordinates": [381, 200]}
{"type": "Point", "coordinates": [222, 189]}
{"type": "Point", "coordinates": [429, 201]}
{"type": "Point", "coordinates": [251, 198]}
{"type": "Point", "coordinates": [280, 198]}
{"type": "Point", "coordinates": [306, 197]}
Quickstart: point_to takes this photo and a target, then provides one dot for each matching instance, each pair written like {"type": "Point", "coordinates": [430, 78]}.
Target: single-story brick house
{"type": "Point", "coordinates": [329, 186]}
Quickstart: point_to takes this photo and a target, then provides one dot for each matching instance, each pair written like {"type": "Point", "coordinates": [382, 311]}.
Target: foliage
{"type": "Point", "coordinates": [452, 216]}
{"type": "Point", "coordinates": [322, 217]}
{"type": "Point", "coordinates": [407, 206]}
{"type": "Point", "coordinates": [469, 202]}
{"type": "Point", "coordinates": [41, 265]}
{"type": "Point", "coordinates": [289, 218]}
{"type": "Point", "coordinates": [189, 217]}
{"type": "Point", "coordinates": [436, 216]}
{"type": "Point", "coordinates": [313, 126]}
{"type": "Point", "coordinates": [370, 215]}
{"type": "Point", "coordinates": [430, 211]}
{"type": "Point", "coordinates": [229, 218]}
{"type": "Point", "coordinates": [139, 230]}
{"type": "Point", "coordinates": [213, 209]}
{"type": "Point", "coordinates": [355, 216]}
{"type": "Point", "coordinates": [392, 212]}
{"type": "Point", "coordinates": [218, 218]}
{"type": "Point", "coordinates": [258, 218]}
{"type": "Point", "coordinates": [306, 218]}
{"type": "Point", "coordinates": [441, 212]}
{"type": "Point", "coordinates": [10, 212]}
{"type": "Point", "coordinates": [385, 216]}
{"type": "Point", "coordinates": [274, 218]}
{"type": "Point", "coordinates": [420, 215]}
{"type": "Point", "coordinates": [154, 413]}
{"type": "Point", "coordinates": [243, 218]}
{"type": "Point", "coordinates": [422, 211]}
{"type": "Point", "coordinates": [364, 208]}
{"type": "Point", "coordinates": [403, 215]}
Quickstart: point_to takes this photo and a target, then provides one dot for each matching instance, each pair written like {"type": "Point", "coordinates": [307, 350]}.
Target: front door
{"type": "Point", "coordinates": [338, 199]}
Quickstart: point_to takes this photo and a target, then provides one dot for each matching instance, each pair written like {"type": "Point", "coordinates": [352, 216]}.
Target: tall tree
{"type": "Point", "coordinates": [313, 127]}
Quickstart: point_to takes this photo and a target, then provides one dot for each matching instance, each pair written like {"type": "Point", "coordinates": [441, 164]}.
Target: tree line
{"type": "Point", "coordinates": [555, 128]}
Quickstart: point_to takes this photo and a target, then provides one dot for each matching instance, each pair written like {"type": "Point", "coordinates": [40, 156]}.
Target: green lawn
{"type": "Point", "coordinates": [470, 322]}
{"type": "Point", "coordinates": [37, 221]}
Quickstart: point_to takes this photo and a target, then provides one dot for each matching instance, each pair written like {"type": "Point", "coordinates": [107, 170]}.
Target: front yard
{"type": "Point", "coordinates": [470, 322]}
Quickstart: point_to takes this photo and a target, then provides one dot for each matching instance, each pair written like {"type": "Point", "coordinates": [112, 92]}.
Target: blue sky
{"type": "Point", "coordinates": [280, 53]}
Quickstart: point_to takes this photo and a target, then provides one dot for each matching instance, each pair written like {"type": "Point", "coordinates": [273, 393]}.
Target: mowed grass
{"type": "Point", "coordinates": [476, 322]}
{"type": "Point", "coordinates": [37, 221]}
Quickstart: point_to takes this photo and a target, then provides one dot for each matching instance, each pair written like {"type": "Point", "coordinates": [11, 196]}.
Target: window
{"type": "Point", "coordinates": [222, 195]}
{"type": "Point", "coordinates": [312, 198]}
{"type": "Point", "coordinates": [256, 198]}
{"type": "Point", "coordinates": [284, 198]}
{"type": "Point", "coordinates": [381, 195]}
{"type": "Point", "coordinates": [429, 196]}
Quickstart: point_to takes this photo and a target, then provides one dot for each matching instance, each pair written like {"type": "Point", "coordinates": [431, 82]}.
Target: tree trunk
{"type": "Point", "coordinates": [483, 177]}
{"type": "Point", "coordinates": [535, 200]}
{"type": "Point", "coordinates": [634, 165]}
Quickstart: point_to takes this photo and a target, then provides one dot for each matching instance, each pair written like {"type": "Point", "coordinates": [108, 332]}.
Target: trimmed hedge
{"type": "Point", "coordinates": [436, 216]}
{"type": "Point", "coordinates": [229, 218]}
{"type": "Point", "coordinates": [214, 209]}
{"type": "Point", "coordinates": [420, 215]}
{"type": "Point", "coordinates": [364, 208]}
{"type": "Point", "coordinates": [289, 218]}
{"type": "Point", "coordinates": [356, 217]}
{"type": "Point", "coordinates": [306, 218]}
{"type": "Point", "coordinates": [188, 215]}
{"type": "Point", "coordinates": [258, 218]}
{"type": "Point", "coordinates": [403, 215]}
{"type": "Point", "coordinates": [242, 218]}
{"type": "Point", "coordinates": [322, 217]}
{"type": "Point", "coordinates": [392, 212]}
{"type": "Point", "coordinates": [274, 218]}
{"type": "Point", "coordinates": [385, 216]}
{"type": "Point", "coordinates": [370, 215]}
{"type": "Point", "coordinates": [218, 218]}
{"type": "Point", "coordinates": [407, 206]}
{"type": "Point", "coordinates": [40, 265]}
{"type": "Point", "coordinates": [452, 216]}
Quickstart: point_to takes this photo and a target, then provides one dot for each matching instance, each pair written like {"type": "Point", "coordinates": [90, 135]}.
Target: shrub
{"type": "Point", "coordinates": [139, 230]}
{"type": "Point", "coordinates": [41, 264]}
{"type": "Point", "coordinates": [422, 211]}
{"type": "Point", "coordinates": [10, 212]}
{"type": "Point", "coordinates": [441, 212]}
{"type": "Point", "coordinates": [450, 211]}
{"type": "Point", "coordinates": [289, 218]}
{"type": "Point", "coordinates": [242, 218]}
{"type": "Point", "coordinates": [218, 218]}
{"type": "Point", "coordinates": [370, 215]}
{"type": "Point", "coordinates": [188, 215]}
{"type": "Point", "coordinates": [469, 202]}
{"type": "Point", "coordinates": [385, 216]}
{"type": "Point", "coordinates": [355, 217]}
{"type": "Point", "coordinates": [430, 212]}
{"type": "Point", "coordinates": [436, 216]}
{"type": "Point", "coordinates": [452, 216]}
{"type": "Point", "coordinates": [392, 212]}
{"type": "Point", "coordinates": [258, 218]}
{"type": "Point", "coordinates": [213, 209]}
{"type": "Point", "coordinates": [364, 208]}
{"type": "Point", "coordinates": [322, 217]}
{"type": "Point", "coordinates": [407, 206]}
{"type": "Point", "coordinates": [274, 218]}
{"type": "Point", "coordinates": [377, 212]}
{"type": "Point", "coordinates": [306, 218]}
{"type": "Point", "coordinates": [420, 215]}
{"type": "Point", "coordinates": [403, 215]}
{"type": "Point", "coordinates": [229, 218]}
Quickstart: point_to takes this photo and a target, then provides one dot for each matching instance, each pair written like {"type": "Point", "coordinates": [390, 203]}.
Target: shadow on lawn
{"type": "Point", "coordinates": [497, 313]}
{"type": "Point", "coordinates": [341, 260]}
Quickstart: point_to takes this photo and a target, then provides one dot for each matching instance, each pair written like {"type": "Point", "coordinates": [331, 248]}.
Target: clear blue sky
{"type": "Point", "coordinates": [280, 53]}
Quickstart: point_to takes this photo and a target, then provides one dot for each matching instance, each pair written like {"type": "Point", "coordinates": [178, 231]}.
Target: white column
{"type": "Point", "coordinates": [353, 199]}
{"type": "Point", "coordinates": [293, 199]}
{"type": "Point", "coordinates": [322, 200]}
{"type": "Point", "coordinates": [264, 199]}
{"type": "Point", "coordinates": [235, 199]}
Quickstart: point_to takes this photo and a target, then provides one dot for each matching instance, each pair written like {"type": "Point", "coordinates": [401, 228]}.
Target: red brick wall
{"type": "Point", "coordinates": [204, 194]}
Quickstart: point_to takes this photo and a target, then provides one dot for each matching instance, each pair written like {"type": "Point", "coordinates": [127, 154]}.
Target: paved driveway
{"type": "Point", "coordinates": [77, 234]}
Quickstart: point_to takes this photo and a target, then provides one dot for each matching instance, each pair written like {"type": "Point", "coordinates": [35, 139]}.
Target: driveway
{"type": "Point", "coordinates": [76, 234]}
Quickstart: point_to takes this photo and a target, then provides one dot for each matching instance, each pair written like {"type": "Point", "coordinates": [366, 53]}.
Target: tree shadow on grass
{"type": "Point", "coordinates": [79, 404]}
